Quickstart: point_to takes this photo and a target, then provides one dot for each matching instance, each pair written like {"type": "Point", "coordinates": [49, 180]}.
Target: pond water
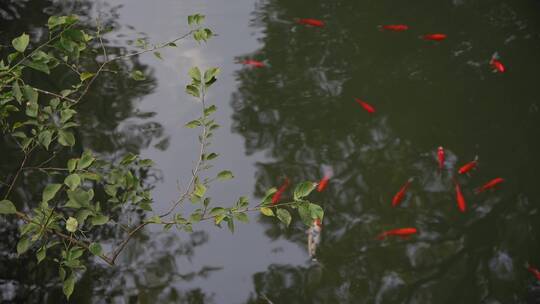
{"type": "Point", "coordinates": [297, 116]}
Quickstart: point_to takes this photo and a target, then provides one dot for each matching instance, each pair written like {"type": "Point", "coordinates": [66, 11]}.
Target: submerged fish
{"type": "Point", "coordinates": [462, 205]}
{"type": "Point", "coordinates": [253, 63]}
{"type": "Point", "coordinates": [277, 196]}
{"type": "Point", "coordinates": [314, 238]}
{"type": "Point", "coordinates": [365, 105]}
{"type": "Point", "coordinates": [311, 22]}
{"type": "Point", "coordinates": [440, 157]}
{"type": "Point", "coordinates": [434, 37]}
{"type": "Point", "coordinates": [394, 27]}
{"type": "Point", "coordinates": [497, 65]}
{"type": "Point", "coordinates": [489, 185]}
{"type": "Point", "coordinates": [401, 193]}
{"type": "Point", "coordinates": [534, 271]}
{"type": "Point", "coordinates": [401, 232]}
{"type": "Point", "coordinates": [469, 166]}
{"type": "Point", "coordinates": [328, 173]}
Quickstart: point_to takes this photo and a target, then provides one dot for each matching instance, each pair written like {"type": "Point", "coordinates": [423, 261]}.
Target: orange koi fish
{"type": "Point", "coordinates": [435, 37]}
{"type": "Point", "coordinates": [497, 65]}
{"type": "Point", "coordinates": [401, 232]}
{"type": "Point", "coordinates": [324, 181]}
{"type": "Point", "coordinates": [394, 27]}
{"type": "Point", "coordinates": [440, 157]}
{"type": "Point", "coordinates": [491, 184]}
{"type": "Point", "coordinates": [311, 22]}
{"type": "Point", "coordinates": [366, 106]}
{"type": "Point", "coordinates": [462, 205]}
{"type": "Point", "coordinates": [534, 271]}
{"type": "Point", "coordinates": [277, 196]}
{"type": "Point", "coordinates": [254, 63]}
{"type": "Point", "coordinates": [401, 193]}
{"type": "Point", "coordinates": [468, 166]}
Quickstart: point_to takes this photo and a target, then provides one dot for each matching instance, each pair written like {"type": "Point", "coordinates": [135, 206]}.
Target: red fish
{"type": "Point", "coordinates": [366, 105]}
{"type": "Point", "coordinates": [326, 178]}
{"type": "Point", "coordinates": [254, 63]}
{"type": "Point", "coordinates": [401, 193]}
{"type": "Point", "coordinates": [491, 184]}
{"type": "Point", "coordinates": [440, 157]}
{"type": "Point", "coordinates": [462, 205]}
{"type": "Point", "coordinates": [497, 65]}
{"type": "Point", "coordinates": [311, 22]}
{"type": "Point", "coordinates": [435, 37]}
{"type": "Point", "coordinates": [468, 166]}
{"type": "Point", "coordinates": [534, 271]}
{"type": "Point", "coordinates": [394, 27]}
{"type": "Point", "coordinates": [277, 196]}
{"type": "Point", "coordinates": [401, 232]}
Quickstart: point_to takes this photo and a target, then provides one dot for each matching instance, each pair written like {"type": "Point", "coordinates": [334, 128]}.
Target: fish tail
{"type": "Point", "coordinates": [381, 236]}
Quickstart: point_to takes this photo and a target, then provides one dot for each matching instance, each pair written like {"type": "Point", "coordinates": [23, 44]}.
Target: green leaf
{"type": "Point", "coordinates": [99, 219]}
{"type": "Point", "coordinates": [211, 109]}
{"type": "Point", "coordinates": [284, 216]}
{"type": "Point", "coordinates": [195, 217]}
{"type": "Point", "coordinates": [72, 224]}
{"type": "Point", "coordinates": [95, 249]}
{"type": "Point", "coordinates": [154, 219]}
{"type": "Point", "coordinates": [242, 217]}
{"type": "Point", "coordinates": [66, 138]}
{"type": "Point", "coordinates": [193, 90]}
{"type": "Point", "coordinates": [210, 74]}
{"type": "Point", "coordinates": [38, 66]}
{"type": "Point", "coordinates": [305, 214]}
{"type": "Point", "coordinates": [217, 211]}
{"type": "Point", "coordinates": [69, 285]}
{"type": "Point", "coordinates": [55, 21]}
{"type": "Point", "coordinates": [86, 160]}
{"type": "Point", "coordinates": [50, 191]}
{"type": "Point", "coordinates": [41, 254]}
{"type": "Point", "coordinates": [86, 75]}
{"type": "Point", "coordinates": [242, 202]}
{"type": "Point", "coordinates": [137, 75]}
{"type": "Point", "coordinates": [23, 245]}
{"type": "Point", "coordinates": [303, 189]}
{"type": "Point", "coordinates": [211, 156]}
{"type": "Point", "coordinates": [66, 115]}
{"type": "Point", "coordinates": [7, 207]}
{"type": "Point", "coordinates": [195, 74]}
{"type": "Point", "coordinates": [316, 211]}
{"type": "Point", "coordinates": [73, 181]}
{"type": "Point", "coordinates": [193, 124]}
{"type": "Point", "coordinates": [17, 91]}
{"type": "Point", "coordinates": [219, 218]}
{"type": "Point", "coordinates": [20, 43]}
{"type": "Point", "coordinates": [158, 55]}
{"type": "Point", "coordinates": [71, 164]}
{"type": "Point", "coordinates": [78, 198]}
{"type": "Point", "coordinates": [230, 223]}
{"type": "Point", "coordinates": [200, 190]}
{"type": "Point", "coordinates": [45, 138]}
{"type": "Point", "coordinates": [267, 211]}
{"type": "Point", "coordinates": [225, 175]}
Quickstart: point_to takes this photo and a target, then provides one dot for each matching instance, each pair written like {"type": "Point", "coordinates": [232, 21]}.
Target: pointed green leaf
{"type": "Point", "coordinates": [193, 124]}
{"type": "Point", "coordinates": [225, 175]}
{"type": "Point", "coordinates": [137, 75]}
{"type": "Point", "coordinates": [86, 160]}
{"type": "Point", "coordinates": [195, 73]}
{"type": "Point", "coordinates": [45, 138]}
{"type": "Point", "coordinates": [69, 285]}
{"type": "Point", "coordinates": [242, 217]}
{"type": "Point", "coordinates": [210, 74]}
{"type": "Point", "coordinates": [50, 191]}
{"type": "Point", "coordinates": [20, 43]}
{"type": "Point", "coordinates": [193, 90]}
{"type": "Point", "coordinates": [86, 75]}
{"type": "Point", "coordinates": [41, 254]}
{"type": "Point", "coordinates": [284, 216]}
{"type": "Point", "coordinates": [303, 189]}
{"type": "Point", "coordinates": [217, 211]}
{"type": "Point", "coordinates": [7, 207]}
{"type": "Point", "coordinates": [95, 249]}
{"type": "Point", "coordinates": [73, 181]}
{"type": "Point", "coordinates": [23, 245]}
{"type": "Point", "coordinates": [66, 138]}
{"type": "Point", "coordinates": [267, 211]}
{"type": "Point", "coordinates": [99, 219]}
{"type": "Point", "coordinates": [200, 190]}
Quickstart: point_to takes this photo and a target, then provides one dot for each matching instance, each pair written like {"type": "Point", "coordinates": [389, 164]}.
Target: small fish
{"type": "Point", "coordinates": [401, 232]}
{"type": "Point", "coordinates": [440, 157]}
{"type": "Point", "coordinates": [277, 196]}
{"type": "Point", "coordinates": [314, 237]}
{"type": "Point", "coordinates": [491, 184]}
{"type": "Point", "coordinates": [534, 271]}
{"type": "Point", "coordinates": [462, 205]}
{"type": "Point", "coordinates": [435, 37]}
{"type": "Point", "coordinates": [311, 22]}
{"type": "Point", "coordinates": [497, 65]}
{"type": "Point", "coordinates": [365, 105]}
{"type": "Point", "coordinates": [254, 63]}
{"type": "Point", "coordinates": [469, 166]}
{"type": "Point", "coordinates": [328, 173]}
{"type": "Point", "coordinates": [401, 193]}
{"type": "Point", "coordinates": [394, 27]}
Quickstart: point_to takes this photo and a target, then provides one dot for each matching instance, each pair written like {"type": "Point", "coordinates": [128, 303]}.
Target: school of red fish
{"type": "Point", "coordinates": [314, 232]}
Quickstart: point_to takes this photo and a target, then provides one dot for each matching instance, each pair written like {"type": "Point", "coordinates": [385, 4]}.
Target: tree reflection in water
{"type": "Point", "coordinates": [111, 126]}
{"type": "Point", "coordinates": [300, 110]}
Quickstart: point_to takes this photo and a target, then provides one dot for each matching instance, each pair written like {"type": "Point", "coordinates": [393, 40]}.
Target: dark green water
{"type": "Point", "coordinates": [296, 116]}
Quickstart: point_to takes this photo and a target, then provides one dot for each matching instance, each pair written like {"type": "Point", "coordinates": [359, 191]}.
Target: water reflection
{"type": "Point", "coordinates": [300, 111]}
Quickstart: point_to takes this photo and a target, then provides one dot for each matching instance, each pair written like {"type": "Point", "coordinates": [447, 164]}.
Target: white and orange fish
{"type": "Point", "coordinates": [328, 173]}
{"type": "Point", "coordinates": [314, 238]}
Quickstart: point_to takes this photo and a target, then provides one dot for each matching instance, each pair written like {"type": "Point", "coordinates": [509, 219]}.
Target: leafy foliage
{"type": "Point", "coordinates": [81, 197]}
